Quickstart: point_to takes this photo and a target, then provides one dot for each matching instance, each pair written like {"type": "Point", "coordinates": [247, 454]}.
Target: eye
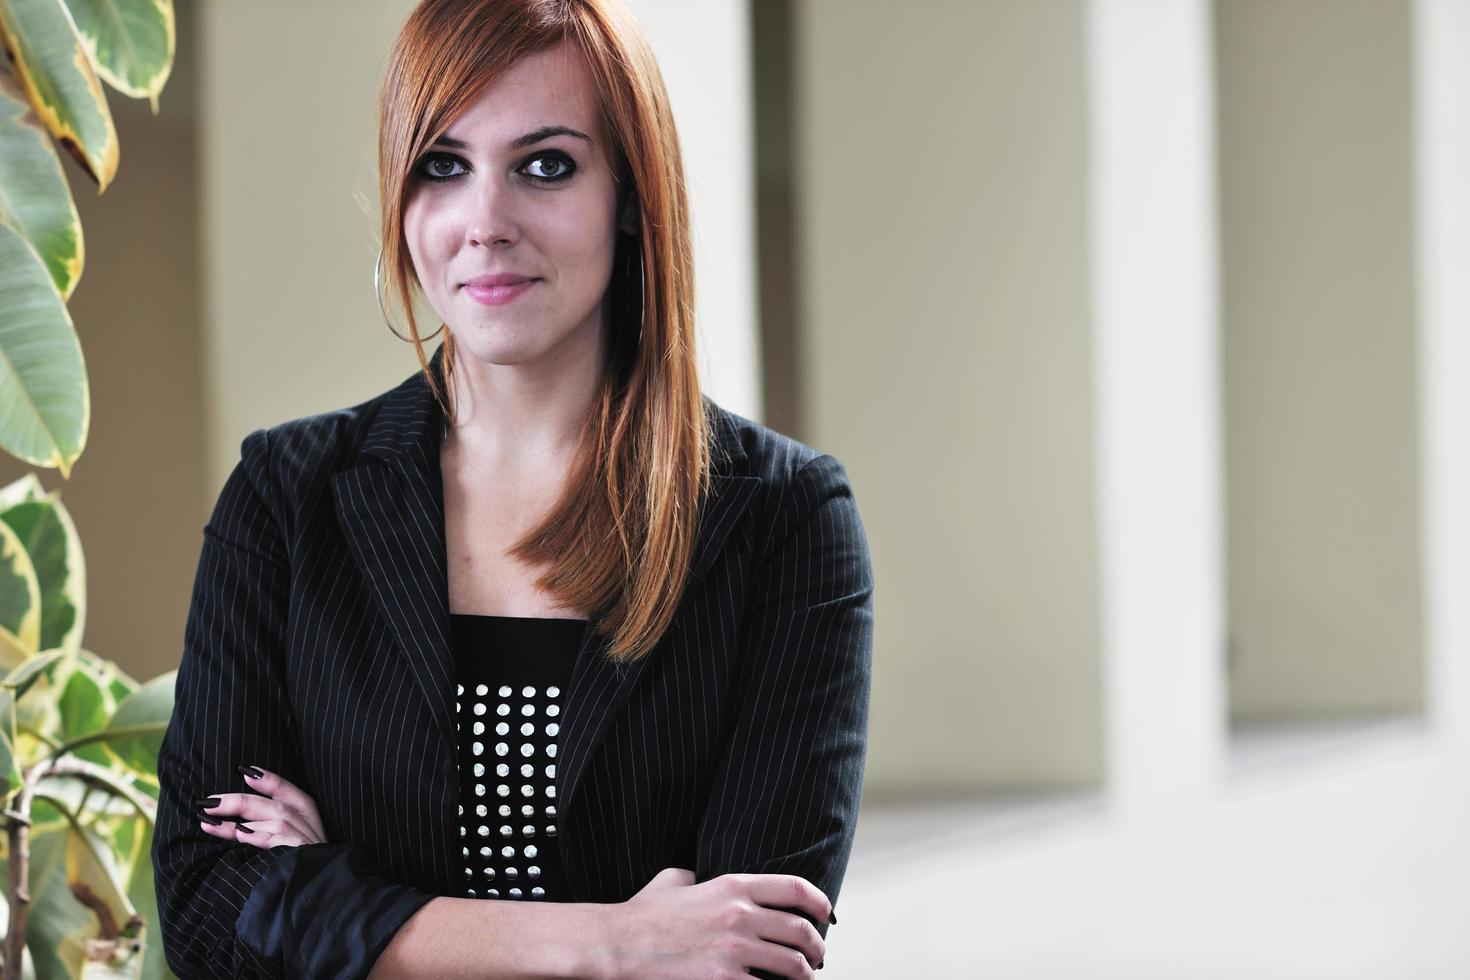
{"type": "Point", "coordinates": [428, 168]}
{"type": "Point", "coordinates": [564, 165]}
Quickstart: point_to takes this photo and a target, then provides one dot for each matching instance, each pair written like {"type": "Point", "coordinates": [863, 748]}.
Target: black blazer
{"type": "Point", "coordinates": [317, 646]}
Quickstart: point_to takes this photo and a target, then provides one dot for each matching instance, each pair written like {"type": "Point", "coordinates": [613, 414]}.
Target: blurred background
{"type": "Point", "coordinates": [1143, 330]}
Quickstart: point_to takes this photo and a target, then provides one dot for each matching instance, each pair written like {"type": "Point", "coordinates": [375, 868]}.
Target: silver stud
{"type": "Point", "coordinates": [527, 749]}
{"type": "Point", "coordinates": [505, 690]}
{"type": "Point", "coordinates": [527, 769]}
{"type": "Point", "coordinates": [481, 810]}
{"type": "Point", "coordinates": [533, 872]}
{"type": "Point", "coordinates": [479, 769]}
{"type": "Point", "coordinates": [551, 729]}
{"type": "Point", "coordinates": [479, 789]}
{"type": "Point", "coordinates": [551, 771]}
{"type": "Point", "coordinates": [551, 830]}
{"type": "Point", "coordinates": [501, 748]}
{"type": "Point", "coordinates": [530, 851]}
{"type": "Point", "coordinates": [487, 851]}
{"type": "Point", "coordinates": [537, 892]}
{"type": "Point", "coordinates": [515, 893]}
{"type": "Point", "coordinates": [512, 873]}
{"type": "Point", "coordinates": [527, 789]}
{"type": "Point", "coordinates": [503, 709]}
{"type": "Point", "coordinates": [527, 728]}
{"type": "Point", "coordinates": [481, 690]}
{"type": "Point", "coordinates": [528, 830]}
{"type": "Point", "coordinates": [501, 769]}
{"type": "Point", "coordinates": [494, 893]}
{"type": "Point", "coordinates": [476, 748]}
{"type": "Point", "coordinates": [490, 873]}
{"type": "Point", "coordinates": [552, 692]}
{"type": "Point", "coordinates": [505, 830]}
{"type": "Point", "coordinates": [551, 750]}
{"type": "Point", "coordinates": [502, 790]}
{"type": "Point", "coordinates": [479, 707]}
{"type": "Point", "coordinates": [460, 689]}
{"type": "Point", "coordinates": [484, 831]}
{"type": "Point", "coordinates": [478, 728]}
{"type": "Point", "coordinates": [507, 851]}
{"type": "Point", "coordinates": [528, 692]}
{"type": "Point", "coordinates": [552, 711]}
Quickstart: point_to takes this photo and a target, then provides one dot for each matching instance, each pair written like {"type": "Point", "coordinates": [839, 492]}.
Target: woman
{"type": "Point", "coordinates": [542, 624]}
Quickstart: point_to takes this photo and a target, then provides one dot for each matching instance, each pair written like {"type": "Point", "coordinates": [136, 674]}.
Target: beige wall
{"type": "Point", "coordinates": [944, 353]}
{"type": "Point", "coordinates": [1319, 351]}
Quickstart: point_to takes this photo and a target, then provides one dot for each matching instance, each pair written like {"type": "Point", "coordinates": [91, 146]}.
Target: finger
{"type": "Point", "coordinates": [282, 790]}
{"type": "Point", "coordinates": [788, 892]}
{"type": "Point", "coordinates": [780, 960]}
{"type": "Point", "coordinates": [790, 930]}
{"type": "Point", "coordinates": [242, 807]}
{"type": "Point", "coordinates": [269, 833]}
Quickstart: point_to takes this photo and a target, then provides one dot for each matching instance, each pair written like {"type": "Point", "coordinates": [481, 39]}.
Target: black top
{"type": "Point", "coordinates": [512, 678]}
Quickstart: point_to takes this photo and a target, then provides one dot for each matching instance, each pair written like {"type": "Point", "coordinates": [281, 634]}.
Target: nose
{"type": "Point", "coordinates": [493, 220]}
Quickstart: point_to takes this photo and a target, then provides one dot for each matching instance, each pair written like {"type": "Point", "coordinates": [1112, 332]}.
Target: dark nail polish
{"type": "Point", "coordinates": [244, 829]}
{"type": "Point", "coordinates": [208, 802]}
{"type": "Point", "coordinates": [208, 819]}
{"type": "Point", "coordinates": [251, 771]}
{"type": "Point", "coordinates": [821, 964]}
{"type": "Point", "coordinates": [832, 917]}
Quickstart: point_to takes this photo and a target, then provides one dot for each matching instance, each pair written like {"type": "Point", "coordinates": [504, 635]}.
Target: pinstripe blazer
{"type": "Point", "coordinates": [317, 645]}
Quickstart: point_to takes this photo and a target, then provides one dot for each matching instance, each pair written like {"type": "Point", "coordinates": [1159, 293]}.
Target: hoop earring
{"type": "Point", "coordinates": [378, 292]}
{"type": "Point", "coordinates": [642, 297]}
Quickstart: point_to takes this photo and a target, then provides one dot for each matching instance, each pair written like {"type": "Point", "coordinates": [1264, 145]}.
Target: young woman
{"type": "Point", "coordinates": [540, 663]}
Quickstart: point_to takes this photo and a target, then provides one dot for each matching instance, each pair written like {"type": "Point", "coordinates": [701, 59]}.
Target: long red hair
{"type": "Point", "coordinates": [621, 538]}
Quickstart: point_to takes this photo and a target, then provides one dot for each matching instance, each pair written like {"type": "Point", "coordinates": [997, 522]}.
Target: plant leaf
{"type": "Point", "coordinates": [131, 43]}
{"type": "Point", "coordinates": [52, 65]}
{"type": "Point", "coordinates": [20, 594]}
{"type": "Point", "coordinates": [45, 404]}
{"type": "Point", "coordinates": [35, 198]}
{"type": "Point", "coordinates": [46, 529]}
{"type": "Point", "coordinates": [146, 711]}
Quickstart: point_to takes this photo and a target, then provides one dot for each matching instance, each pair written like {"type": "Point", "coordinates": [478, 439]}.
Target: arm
{"type": "Point", "coordinates": [784, 798]}
{"type": "Point", "coordinates": [480, 939]}
{"type": "Point", "coordinates": [225, 909]}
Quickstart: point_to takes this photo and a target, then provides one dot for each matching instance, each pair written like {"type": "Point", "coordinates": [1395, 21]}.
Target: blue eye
{"type": "Point", "coordinates": [428, 167]}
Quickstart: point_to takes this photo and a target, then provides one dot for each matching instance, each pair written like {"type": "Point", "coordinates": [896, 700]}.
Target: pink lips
{"type": "Point", "coordinates": [498, 289]}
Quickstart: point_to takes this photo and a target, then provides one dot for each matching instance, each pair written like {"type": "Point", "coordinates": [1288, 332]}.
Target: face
{"type": "Point", "coordinates": [522, 184]}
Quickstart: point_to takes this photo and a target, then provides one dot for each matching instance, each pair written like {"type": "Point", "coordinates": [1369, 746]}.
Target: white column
{"type": "Point", "coordinates": [1157, 420]}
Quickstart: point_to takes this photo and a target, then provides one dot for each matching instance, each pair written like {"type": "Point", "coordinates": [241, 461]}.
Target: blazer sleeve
{"type": "Point", "coordinates": [229, 909]}
{"type": "Point", "coordinates": [785, 794]}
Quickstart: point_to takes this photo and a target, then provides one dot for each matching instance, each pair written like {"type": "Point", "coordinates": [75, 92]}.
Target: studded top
{"type": "Point", "coordinates": [512, 678]}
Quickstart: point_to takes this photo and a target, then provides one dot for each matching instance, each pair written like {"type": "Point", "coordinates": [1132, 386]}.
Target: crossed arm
{"type": "Point", "coordinates": [784, 798]}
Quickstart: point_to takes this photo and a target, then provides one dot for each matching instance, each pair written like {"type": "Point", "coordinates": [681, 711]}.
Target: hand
{"type": "Point", "coordinates": [284, 815]}
{"type": "Point", "coordinates": [674, 929]}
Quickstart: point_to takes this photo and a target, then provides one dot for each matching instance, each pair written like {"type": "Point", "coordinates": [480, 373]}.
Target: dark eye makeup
{"type": "Point", "coordinates": [565, 166]}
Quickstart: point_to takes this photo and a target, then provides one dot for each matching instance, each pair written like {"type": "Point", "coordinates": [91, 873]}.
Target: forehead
{"type": "Point", "coordinates": [551, 87]}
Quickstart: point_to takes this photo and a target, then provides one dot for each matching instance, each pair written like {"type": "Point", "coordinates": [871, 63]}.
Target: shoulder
{"type": "Point", "coordinates": [290, 461]}
{"type": "Point", "coordinates": [796, 479]}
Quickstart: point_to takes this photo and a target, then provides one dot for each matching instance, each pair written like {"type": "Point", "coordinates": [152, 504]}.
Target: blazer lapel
{"type": "Point", "coordinates": [393, 518]}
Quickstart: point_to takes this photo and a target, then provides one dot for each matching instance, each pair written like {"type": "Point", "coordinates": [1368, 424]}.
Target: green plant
{"type": "Point", "coordinates": [79, 739]}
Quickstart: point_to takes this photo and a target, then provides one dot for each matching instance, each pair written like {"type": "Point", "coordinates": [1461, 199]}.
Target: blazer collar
{"type": "Point", "coordinates": [390, 506]}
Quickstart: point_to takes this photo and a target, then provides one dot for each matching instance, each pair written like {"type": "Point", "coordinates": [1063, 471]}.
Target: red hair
{"type": "Point", "coordinates": [621, 538]}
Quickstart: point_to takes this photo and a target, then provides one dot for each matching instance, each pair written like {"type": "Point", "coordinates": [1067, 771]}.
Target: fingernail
{"type": "Point", "coordinates": [208, 819]}
{"type": "Point", "coordinates": [251, 771]}
{"type": "Point", "coordinates": [244, 828]}
{"type": "Point", "coordinates": [832, 917]}
{"type": "Point", "coordinates": [208, 802]}
{"type": "Point", "coordinates": [821, 964]}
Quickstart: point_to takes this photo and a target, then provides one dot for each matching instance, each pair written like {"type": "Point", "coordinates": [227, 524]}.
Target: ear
{"type": "Point", "coordinates": [629, 217]}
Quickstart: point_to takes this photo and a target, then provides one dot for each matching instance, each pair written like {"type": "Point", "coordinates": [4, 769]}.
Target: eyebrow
{"type": "Point", "coordinates": [533, 137]}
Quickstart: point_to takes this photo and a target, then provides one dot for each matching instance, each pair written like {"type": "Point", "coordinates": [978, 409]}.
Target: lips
{"type": "Point", "coordinates": [499, 279]}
